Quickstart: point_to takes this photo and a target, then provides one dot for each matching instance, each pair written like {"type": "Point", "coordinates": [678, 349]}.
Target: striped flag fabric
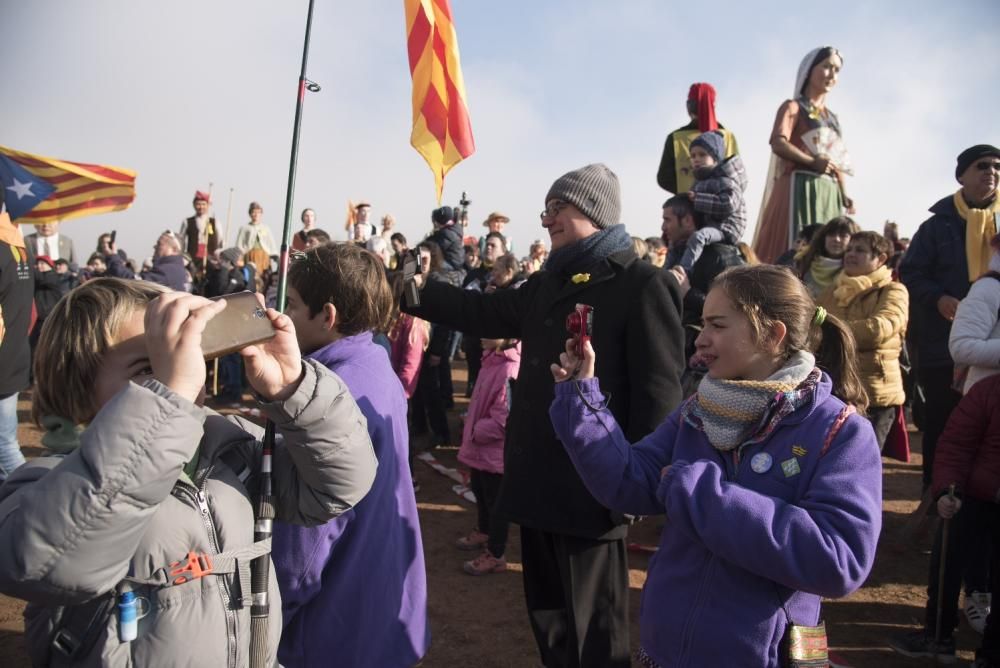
{"type": "Point", "coordinates": [37, 189]}
{"type": "Point", "coordinates": [442, 133]}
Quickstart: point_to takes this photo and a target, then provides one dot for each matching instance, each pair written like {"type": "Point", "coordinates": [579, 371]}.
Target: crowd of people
{"type": "Point", "coordinates": [744, 392]}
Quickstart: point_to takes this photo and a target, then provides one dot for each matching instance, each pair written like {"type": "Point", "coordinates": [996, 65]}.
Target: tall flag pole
{"type": "Point", "coordinates": [260, 568]}
{"type": "Point", "coordinates": [442, 133]}
{"type": "Point", "coordinates": [286, 233]}
{"type": "Point", "coordinates": [43, 190]}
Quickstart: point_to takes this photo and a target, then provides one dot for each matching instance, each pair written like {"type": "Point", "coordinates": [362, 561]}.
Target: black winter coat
{"type": "Point", "coordinates": [17, 292]}
{"type": "Point", "coordinates": [449, 239]}
{"type": "Point", "coordinates": [639, 345]}
{"type": "Point", "coordinates": [50, 286]}
{"type": "Point", "coordinates": [226, 279]}
{"type": "Point", "coordinates": [934, 265]}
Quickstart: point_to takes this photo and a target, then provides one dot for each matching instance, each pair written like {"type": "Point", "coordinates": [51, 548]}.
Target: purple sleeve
{"type": "Point", "coordinates": [824, 545]}
{"type": "Point", "coordinates": [621, 477]}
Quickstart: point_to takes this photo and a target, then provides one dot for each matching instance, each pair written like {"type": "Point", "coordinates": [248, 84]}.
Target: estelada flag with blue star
{"type": "Point", "coordinates": [43, 190]}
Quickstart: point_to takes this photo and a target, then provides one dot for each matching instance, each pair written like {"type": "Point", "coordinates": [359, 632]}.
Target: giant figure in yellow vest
{"type": "Point", "coordinates": [675, 174]}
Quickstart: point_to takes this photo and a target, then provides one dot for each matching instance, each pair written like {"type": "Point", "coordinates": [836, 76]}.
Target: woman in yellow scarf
{"type": "Point", "coordinates": [875, 308]}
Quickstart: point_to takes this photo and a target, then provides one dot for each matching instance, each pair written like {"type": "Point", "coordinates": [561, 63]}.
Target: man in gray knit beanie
{"type": "Point", "coordinates": [573, 550]}
{"type": "Point", "coordinates": [594, 190]}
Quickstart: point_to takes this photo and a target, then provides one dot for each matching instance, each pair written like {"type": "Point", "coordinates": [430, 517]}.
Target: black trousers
{"type": "Point", "coordinates": [939, 401]}
{"type": "Point", "coordinates": [427, 407]}
{"type": "Point", "coordinates": [882, 418]}
{"type": "Point", "coordinates": [990, 649]}
{"type": "Point", "coordinates": [576, 590]}
{"type": "Point", "coordinates": [486, 487]}
{"type": "Point", "coordinates": [473, 348]}
{"type": "Point", "coordinates": [446, 383]}
{"type": "Point", "coordinates": [967, 557]}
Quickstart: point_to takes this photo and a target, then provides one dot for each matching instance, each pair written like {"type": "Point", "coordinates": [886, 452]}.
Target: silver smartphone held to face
{"type": "Point", "coordinates": [242, 323]}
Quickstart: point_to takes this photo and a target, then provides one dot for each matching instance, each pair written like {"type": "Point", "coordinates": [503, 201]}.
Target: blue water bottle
{"type": "Point", "coordinates": [128, 616]}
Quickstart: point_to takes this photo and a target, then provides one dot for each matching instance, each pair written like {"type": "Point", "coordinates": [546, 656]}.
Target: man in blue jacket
{"type": "Point", "coordinates": [168, 264]}
{"type": "Point", "coordinates": [947, 253]}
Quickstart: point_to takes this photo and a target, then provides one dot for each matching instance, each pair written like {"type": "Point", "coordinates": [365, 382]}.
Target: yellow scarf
{"type": "Point", "coordinates": [849, 287]}
{"type": "Point", "coordinates": [10, 233]}
{"type": "Point", "coordinates": [980, 227]}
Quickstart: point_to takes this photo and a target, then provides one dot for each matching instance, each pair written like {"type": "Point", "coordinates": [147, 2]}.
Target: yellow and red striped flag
{"type": "Point", "coordinates": [41, 190]}
{"type": "Point", "coordinates": [442, 132]}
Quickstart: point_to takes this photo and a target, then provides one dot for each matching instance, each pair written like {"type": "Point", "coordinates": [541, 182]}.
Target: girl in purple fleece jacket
{"type": "Point", "coordinates": [770, 481]}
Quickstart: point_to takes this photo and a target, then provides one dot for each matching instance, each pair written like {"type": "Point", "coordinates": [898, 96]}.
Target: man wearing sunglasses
{"type": "Point", "coordinates": [950, 250]}
{"type": "Point", "coordinates": [572, 548]}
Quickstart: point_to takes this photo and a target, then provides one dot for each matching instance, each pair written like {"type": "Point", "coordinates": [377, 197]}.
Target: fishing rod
{"type": "Point", "coordinates": [260, 568]}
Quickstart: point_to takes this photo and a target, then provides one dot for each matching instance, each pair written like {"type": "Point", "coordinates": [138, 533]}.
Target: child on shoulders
{"type": "Point", "coordinates": [717, 194]}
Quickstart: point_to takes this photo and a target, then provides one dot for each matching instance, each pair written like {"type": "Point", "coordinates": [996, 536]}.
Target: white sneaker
{"type": "Point", "coordinates": [977, 609]}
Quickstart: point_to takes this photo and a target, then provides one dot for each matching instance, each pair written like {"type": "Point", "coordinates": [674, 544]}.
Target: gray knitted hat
{"type": "Point", "coordinates": [231, 255]}
{"type": "Point", "coordinates": [594, 190]}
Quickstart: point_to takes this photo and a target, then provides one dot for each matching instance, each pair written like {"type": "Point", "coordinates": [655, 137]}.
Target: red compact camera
{"type": "Point", "coordinates": [580, 324]}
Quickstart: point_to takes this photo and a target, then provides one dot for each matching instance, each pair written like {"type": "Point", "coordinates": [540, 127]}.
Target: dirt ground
{"type": "Point", "coordinates": [482, 621]}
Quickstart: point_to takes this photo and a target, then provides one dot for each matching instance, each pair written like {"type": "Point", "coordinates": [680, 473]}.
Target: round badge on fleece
{"type": "Point", "coordinates": [761, 462]}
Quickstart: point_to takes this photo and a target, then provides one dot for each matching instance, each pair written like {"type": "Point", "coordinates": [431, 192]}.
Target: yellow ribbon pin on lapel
{"type": "Point", "coordinates": [580, 278]}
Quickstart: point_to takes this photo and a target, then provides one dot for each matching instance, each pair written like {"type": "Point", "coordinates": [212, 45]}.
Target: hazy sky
{"type": "Point", "coordinates": [187, 93]}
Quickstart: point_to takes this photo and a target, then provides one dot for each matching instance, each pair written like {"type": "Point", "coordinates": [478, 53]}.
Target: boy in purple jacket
{"type": "Point", "coordinates": [354, 591]}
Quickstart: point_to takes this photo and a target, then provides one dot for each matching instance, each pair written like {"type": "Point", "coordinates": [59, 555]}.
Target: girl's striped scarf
{"type": "Point", "coordinates": [731, 411]}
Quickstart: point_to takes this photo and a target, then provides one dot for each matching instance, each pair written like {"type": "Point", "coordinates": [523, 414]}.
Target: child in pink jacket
{"type": "Point", "coordinates": [482, 452]}
{"type": "Point", "coordinates": [408, 340]}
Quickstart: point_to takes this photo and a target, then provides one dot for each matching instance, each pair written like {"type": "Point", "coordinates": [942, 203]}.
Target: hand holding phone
{"type": "Point", "coordinates": [579, 360]}
{"type": "Point", "coordinates": [174, 323]}
{"type": "Point", "coordinates": [580, 324]}
{"type": "Point", "coordinates": [274, 367]}
{"type": "Point", "coordinates": [411, 284]}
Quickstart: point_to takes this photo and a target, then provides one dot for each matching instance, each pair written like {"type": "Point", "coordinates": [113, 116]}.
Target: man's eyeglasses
{"type": "Point", "coordinates": [986, 164]}
{"type": "Point", "coordinates": [552, 210]}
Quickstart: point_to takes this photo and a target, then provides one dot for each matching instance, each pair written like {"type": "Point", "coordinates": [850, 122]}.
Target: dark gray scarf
{"type": "Point", "coordinates": [582, 254]}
